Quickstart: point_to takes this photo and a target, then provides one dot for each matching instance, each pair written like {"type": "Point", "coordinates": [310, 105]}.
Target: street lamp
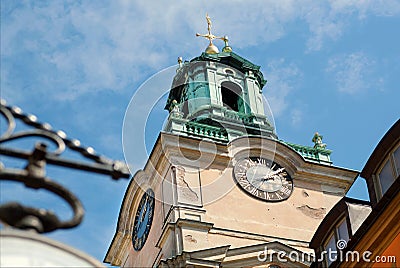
{"type": "Point", "coordinates": [34, 176]}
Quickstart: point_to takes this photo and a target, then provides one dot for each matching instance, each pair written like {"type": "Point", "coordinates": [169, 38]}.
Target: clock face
{"type": "Point", "coordinates": [263, 179]}
{"type": "Point", "coordinates": [143, 220]}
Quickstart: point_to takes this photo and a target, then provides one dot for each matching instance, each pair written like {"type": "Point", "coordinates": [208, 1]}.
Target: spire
{"type": "Point", "coordinates": [211, 49]}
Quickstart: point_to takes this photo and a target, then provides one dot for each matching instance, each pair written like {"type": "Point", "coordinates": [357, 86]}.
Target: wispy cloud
{"type": "Point", "coordinates": [328, 21]}
{"type": "Point", "coordinates": [351, 72]}
{"type": "Point", "coordinates": [323, 26]}
{"type": "Point", "coordinates": [66, 49]}
{"type": "Point", "coordinates": [296, 116]}
{"type": "Point", "coordinates": [282, 78]}
{"type": "Point", "coordinates": [363, 8]}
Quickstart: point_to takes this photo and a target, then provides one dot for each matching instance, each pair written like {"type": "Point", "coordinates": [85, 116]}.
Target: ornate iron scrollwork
{"type": "Point", "coordinates": [34, 174]}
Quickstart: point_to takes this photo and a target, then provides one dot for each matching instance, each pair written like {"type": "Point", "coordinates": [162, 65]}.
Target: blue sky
{"type": "Point", "coordinates": [331, 66]}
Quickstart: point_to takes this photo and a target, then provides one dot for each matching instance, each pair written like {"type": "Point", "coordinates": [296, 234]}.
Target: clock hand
{"type": "Point", "coordinates": [272, 174]}
{"type": "Point", "coordinates": [269, 174]}
{"type": "Point", "coordinates": [144, 212]}
{"type": "Point", "coordinates": [143, 215]}
{"type": "Point", "coordinates": [279, 170]}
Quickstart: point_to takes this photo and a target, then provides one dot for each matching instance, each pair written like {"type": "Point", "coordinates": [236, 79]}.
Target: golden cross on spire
{"type": "Point", "coordinates": [211, 49]}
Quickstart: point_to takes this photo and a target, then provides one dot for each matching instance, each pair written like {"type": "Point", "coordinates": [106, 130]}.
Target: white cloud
{"type": "Point", "coordinates": [282, 77]}
{"type": "Point", "coordinates": [296, 116]}
{"type": "Point", "coordinates": [351, 72]}
{"type": "Point", "coordinates": [376, 7]}
{"type": "Point", "coordinates": [323, 26]}
{"type": "Point", "coordinates": [327, 22]}
{"type": "Point", "coordinates": [71, 48]}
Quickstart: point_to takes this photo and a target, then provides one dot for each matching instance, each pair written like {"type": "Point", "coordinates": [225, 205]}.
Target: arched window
{"type": "Point", "coordinates": [232, 96]}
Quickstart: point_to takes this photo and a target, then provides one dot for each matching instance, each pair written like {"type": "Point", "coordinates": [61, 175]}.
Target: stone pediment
{"type": "Point", "coordinates": [260, 255]}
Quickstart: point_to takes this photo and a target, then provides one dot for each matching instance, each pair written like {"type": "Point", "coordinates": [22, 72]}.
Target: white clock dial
{"type": "Point", "coordinates": [263, 179]}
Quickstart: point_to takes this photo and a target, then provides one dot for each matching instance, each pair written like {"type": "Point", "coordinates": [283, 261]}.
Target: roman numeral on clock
{"type": "Point", "coordinates": [285, 190]}
{"type": "Point", "coordinates": [240, 174]}
{"type": "Point", "coordinates": [262, 161]}
{"type": "Point", "coordinates": [278, 196]}
{"type": "Point", "coordinates": [244, 183]}
{"type": "Point", "coordinates": [254, 191]}
{"type": "Point", "coordinates": [251, 163]}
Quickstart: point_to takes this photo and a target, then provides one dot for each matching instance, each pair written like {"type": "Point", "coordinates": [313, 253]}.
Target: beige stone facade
{"type": "Point", "coordinates": [203, 218]}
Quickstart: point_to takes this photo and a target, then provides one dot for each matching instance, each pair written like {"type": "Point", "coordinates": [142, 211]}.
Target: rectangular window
{"type": "Point", "coordinates": [396, 155]}
{"type": "Point", "coordinates": [342, 230]}
{"type": "Point", "coordinates": [386, 177]}
{"type": "Point", "coordinates": [331, 252]}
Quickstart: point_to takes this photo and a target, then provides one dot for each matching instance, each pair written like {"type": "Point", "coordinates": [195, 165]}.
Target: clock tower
{"type": "Point", "coordinates": [219, 188]}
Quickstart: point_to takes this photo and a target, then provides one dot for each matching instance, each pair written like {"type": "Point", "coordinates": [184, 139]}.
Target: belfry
{"type": "Point", "coordinates": [220, 189]}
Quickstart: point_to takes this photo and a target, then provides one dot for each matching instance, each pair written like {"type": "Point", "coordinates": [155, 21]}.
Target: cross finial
{"type": "Point", "coordinates": [209, 24]}
{"type": "Point", "coordinates": [211, 49]}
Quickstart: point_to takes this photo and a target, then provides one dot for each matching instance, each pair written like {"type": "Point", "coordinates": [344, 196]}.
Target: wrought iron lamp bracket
{"type": "Point", "coordinates": [34, 174]}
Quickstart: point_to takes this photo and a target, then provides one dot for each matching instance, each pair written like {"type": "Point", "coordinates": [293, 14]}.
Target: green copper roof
{"type": "Point", "coordinates": [234, 60]}
{"type": "Point", "coordinates": [319, 155]}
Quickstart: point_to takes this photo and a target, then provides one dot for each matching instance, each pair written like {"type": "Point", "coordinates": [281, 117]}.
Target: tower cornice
{"type": "Point", "coordinates": [234, 60]}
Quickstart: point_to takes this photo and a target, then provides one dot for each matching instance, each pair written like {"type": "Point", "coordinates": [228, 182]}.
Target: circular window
{"type": "Point", "coordinates": [229, 71]}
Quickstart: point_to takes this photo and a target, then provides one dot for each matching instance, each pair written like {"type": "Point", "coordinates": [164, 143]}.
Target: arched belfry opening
{"type": "Point", "coordinates": [232, 96]}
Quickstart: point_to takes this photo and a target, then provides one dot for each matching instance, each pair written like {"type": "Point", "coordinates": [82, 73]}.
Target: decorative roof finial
{"type": "Point", "coordinates": [226, 48]}
{"type": "Point", "coordinates": [317, 140]}
{"type": "Point", "coordinates": [180, 61]}
{"type": "Point", "coordinates": [211, 49]}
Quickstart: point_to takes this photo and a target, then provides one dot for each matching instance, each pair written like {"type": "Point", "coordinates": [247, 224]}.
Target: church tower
{"type": "Point", "coordinates": [219, 188]}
